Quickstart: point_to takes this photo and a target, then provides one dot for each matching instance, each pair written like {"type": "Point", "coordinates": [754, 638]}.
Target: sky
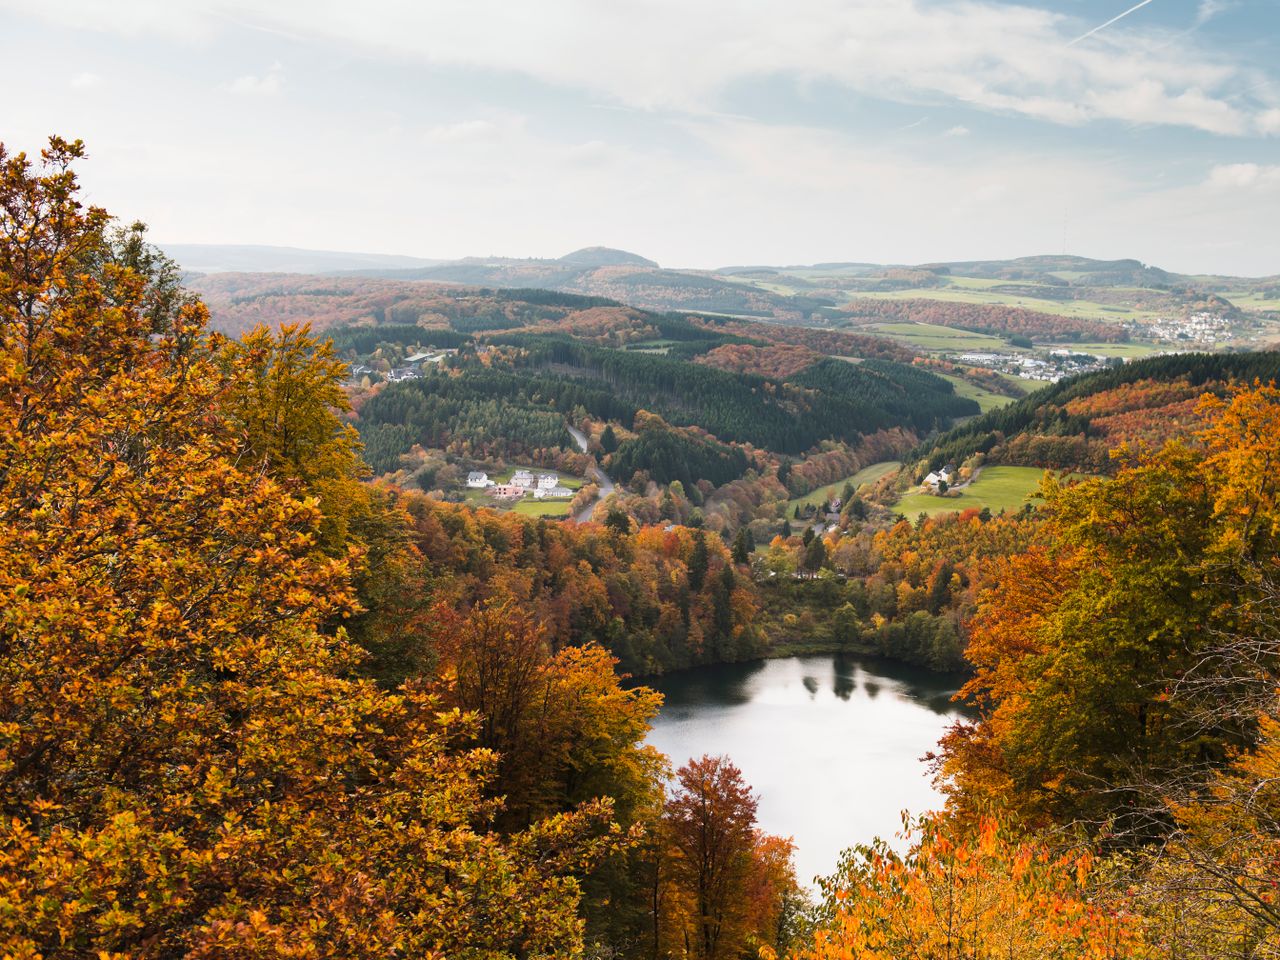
{"type": "Point", "coordinates": [699, 133]}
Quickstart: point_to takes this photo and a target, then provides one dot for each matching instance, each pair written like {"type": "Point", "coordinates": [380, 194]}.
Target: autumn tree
{"type": "Point", "coordinates": [1099, 654]}
{"type": "Point", "coordinates": [188, 764]}
{"type": "Point", "coordinates": [985, 894]}
{"type": "Point", "coordinates": [725, 884]}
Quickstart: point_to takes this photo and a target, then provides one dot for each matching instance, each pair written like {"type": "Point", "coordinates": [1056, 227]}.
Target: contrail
{"type": "Point", "coordinates": [1086, 36]}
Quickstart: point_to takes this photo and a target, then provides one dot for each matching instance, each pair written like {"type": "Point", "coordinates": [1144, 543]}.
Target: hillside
{"type": "Point", "coordinates": [1074, 424]}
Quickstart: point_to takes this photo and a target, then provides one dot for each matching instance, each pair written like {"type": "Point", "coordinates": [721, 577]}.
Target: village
{"type": "Point", "coordinates": [1051, 367]}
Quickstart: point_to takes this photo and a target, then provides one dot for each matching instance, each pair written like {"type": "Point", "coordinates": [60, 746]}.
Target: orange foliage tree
{"type": "Point", "coordinates": [725, 886]}
{"type": "Point", "coordinates": [981, 895]}
{"type": "Point", "coordinates": [188, 766]}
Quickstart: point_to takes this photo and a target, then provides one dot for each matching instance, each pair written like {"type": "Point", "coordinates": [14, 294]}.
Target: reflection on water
{"type": "Point", "coordinates": [832, 744]}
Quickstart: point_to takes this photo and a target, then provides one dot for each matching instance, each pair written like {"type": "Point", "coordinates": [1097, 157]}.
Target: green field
{"type": "Point", "coordinates": [542, 508]}
{"type": "Point", "coordinates": [973, 292]}
{"type": "Point", "coordinates": [986, 399]}
{"type": "Point", "coordinates": [866, 475]}
{"type": "Point", "coordinates": [998, 488]}
{"type": "Point", "coordinates": [1114, 349]}
{"type": "Point", "coordinates": [930, 336]}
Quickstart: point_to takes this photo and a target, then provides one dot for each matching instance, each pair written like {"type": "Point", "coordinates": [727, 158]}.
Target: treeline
{"type": "Point", "coordinates": [1048, 419]}
{"type": "Point", "coordinates": [988, 318]}
{"type": "Point", "coordinates": [665, 454]}
{"type": "Point", "coordinates": [504, 410]}
{"type": "Point", "coordinates": [363, 341]}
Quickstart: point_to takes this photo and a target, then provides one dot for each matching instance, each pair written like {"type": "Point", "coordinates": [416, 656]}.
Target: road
{"type": "Point", "coordinates": [596, 475]}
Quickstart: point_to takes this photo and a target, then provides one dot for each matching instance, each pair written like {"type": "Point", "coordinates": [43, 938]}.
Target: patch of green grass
{"type": "Point", "coordinates": [997, 488]}
{"type": "Point", "coordinates": [1253, 300]}
{"type": "Point", "coordinates": [541, 508]}
{"type": "Point", "coordinates": [1113, 349]}
{"type": "Point", "coordinates": [1064, 308]}
{"type": "Point", "coordinates": [930, 336]}
{"type": "Point", "coordinates": [866, 475]}
{"type": "Point", "coordinates": [987, 400]}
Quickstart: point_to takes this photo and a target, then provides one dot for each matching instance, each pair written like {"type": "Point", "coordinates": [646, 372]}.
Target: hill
{"type": "Point", "coordinates": [605, 257]}
{"type": "Point", "coordinates": [1074, 424]}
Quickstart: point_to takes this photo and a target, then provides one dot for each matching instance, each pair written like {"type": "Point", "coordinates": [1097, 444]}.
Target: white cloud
{"type": "Point", "coordinates": [267, 85]}
{"type": "Point", "coordinates": [1269, 122]}
{"type": "Point", "coordinates": [1248, 176]}
{"type": "Point", "coordinates": [463, 131]}
{"type": "Point", "coordinates": [672, 55]}
{"type": "Point", "coordinates": [1209, 9]}
{"type": "Point", "coordinates": [85, 80]}
{"type": "Point", "coordinates": [957, 131]}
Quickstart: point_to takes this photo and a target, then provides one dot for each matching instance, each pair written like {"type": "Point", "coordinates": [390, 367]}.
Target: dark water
{"type": "Point", "coordinates": [832, 745]}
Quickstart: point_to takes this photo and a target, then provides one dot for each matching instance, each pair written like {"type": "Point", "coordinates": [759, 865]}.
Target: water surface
{"type": "Point", "coordinates": [831, 744]}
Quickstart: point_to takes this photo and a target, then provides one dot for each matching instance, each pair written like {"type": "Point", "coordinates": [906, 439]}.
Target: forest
{"type": "Point", "coordinates": [253, 705]}
{"type": "Point", "coordinates": [515, 397]}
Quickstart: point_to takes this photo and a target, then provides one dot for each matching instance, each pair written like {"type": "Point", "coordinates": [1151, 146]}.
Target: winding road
{"type": "Point", "coordinates": [595, 474]}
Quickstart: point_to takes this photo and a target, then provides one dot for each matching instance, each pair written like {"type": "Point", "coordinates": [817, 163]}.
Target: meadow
{"type": "Point", "coordinates": [997, 488]}
{"type": "Point", "coordinates": [986, 399]}
{"type": "Point", "coordinates": [866, 475]}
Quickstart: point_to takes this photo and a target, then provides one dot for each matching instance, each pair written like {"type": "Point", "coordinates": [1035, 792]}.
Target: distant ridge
{"type": "Point", "coordinates": [252, 258]}
{"type": "Point", "coordinates": [605, 257]}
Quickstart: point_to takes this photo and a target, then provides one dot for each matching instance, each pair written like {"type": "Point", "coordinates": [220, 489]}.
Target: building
{"type": "Point", "coordinates": [547, 480]}
{"type": "Point", "coordinates": [507, 491]}
{"type": "Point", "coordinates": [541, 492]}
{"type": "Point", "coordinates": [522, 478]}
{"type": "Point", "coordinates": [478, 479]}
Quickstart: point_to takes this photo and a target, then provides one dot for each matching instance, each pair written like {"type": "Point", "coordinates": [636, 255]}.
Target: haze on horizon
{"type": "Point", "coordinates": [900, 131]}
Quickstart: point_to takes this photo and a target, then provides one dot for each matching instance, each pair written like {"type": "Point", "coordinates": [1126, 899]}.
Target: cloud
{"type": "Point", "coordinates": [463, 131]}
{"type": "Point", "coordinates": [1209, 9]}
{"type": "Point", "coordinates": [1244, 176]}
{"type": "Point", "coordinates": [83, 81]}
{"type": "Point", "coordinates": [669, 55]}
{"type": "Point", "coordinates": [267, 85]}
{"type": "Point", "coordinates": [957, 131]}
{"type": "Point", "coordinates": [1268, 122]}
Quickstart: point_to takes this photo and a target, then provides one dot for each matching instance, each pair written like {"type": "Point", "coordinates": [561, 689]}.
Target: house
{"type": "Point", "coordinates": [507, 491]}
{"type": "Point", "coordinates": [547, 480]}
{"type": "Point", "coordinates": [478, 480]}
{"type": "Point", "coordinates": [540, 492]}
{"type": "Point", "coordinates": [522, 478]}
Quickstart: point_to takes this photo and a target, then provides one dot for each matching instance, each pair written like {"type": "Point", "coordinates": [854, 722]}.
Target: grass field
{"type": "Point", "coordinates": [998, 488]}
{"type": "Point", "coordinates": [542, 508]}
{"type": "Point", "coordinates": [929, 336]}
{"type": "Point", "coordinates": [973, 292]}
{"type": "Point", "coordinates": [866, 475]}
{"type": "Point", "coordinates": [1114, 349]}
{"type": "Point", "coordinates": [986, 399]}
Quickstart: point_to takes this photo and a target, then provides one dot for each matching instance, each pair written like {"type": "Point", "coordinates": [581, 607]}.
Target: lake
{"type": "Point", "coordinates": [831, 744]}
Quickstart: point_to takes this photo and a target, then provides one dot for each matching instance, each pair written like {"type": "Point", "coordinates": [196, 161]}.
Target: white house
{"type": "Point", "coordinates": [542, 492]}
{"type": "Point", "coordinates": [547, 480]}
{"type": "Point", "coordinates": [522, 478]}
{"type": "Point", "coordinates": [478, 480]}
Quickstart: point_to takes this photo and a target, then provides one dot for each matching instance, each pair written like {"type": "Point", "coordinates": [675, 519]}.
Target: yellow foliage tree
{"type": "Point", "coordinates": [985, 894]}
{"type": "Point", "coordinates": [187, 765]}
